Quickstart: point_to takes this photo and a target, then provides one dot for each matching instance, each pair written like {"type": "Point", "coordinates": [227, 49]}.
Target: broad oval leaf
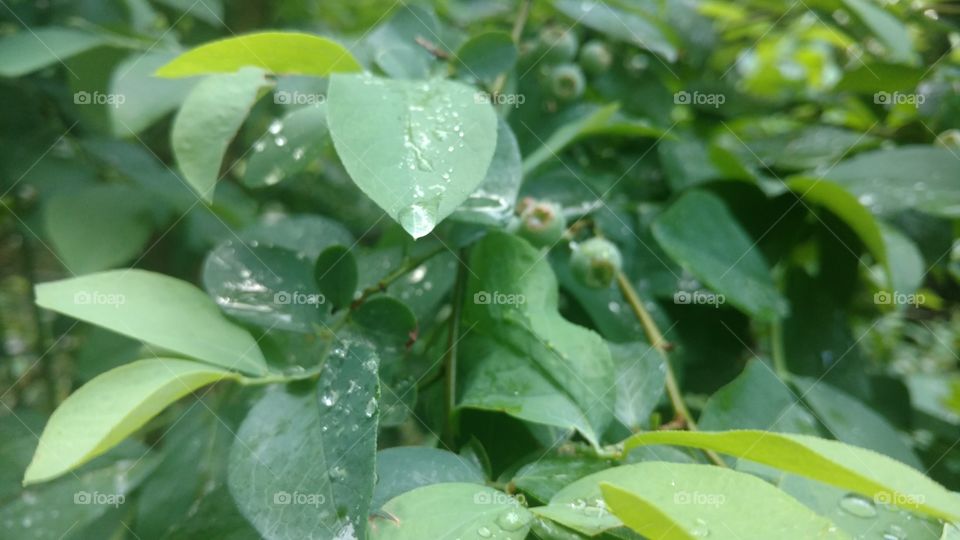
{"type": "Point", "coordinates": [336, 275]}
{"type": "Point", "coordinates": [207, 122]}
{"type": "Point", "coordinates": [402, 469]}
{"type": "Point", "coordinates": [485, 56]}
{"type": "Point", "coordinates": [303, 463]}
{"type": "Point", "coordinates": [427, 159]}
{"type": "Point", "coordinates": [32, 49]}
{"type": "Point", "coordinates": [145, 98]}
{"type": "Point", "coordinates": [687, 501]}
{"type": "Point", "coordinates": [289, 145]}
{"type": "Point", "coordinates": [282, 53]}
{"type": "Point", "coordinates": [859, 470]}
{"type": "Point", "coordinates": [700, 232]}
{"type": "Point", "coordinates": [448, 511]}
{"type": "Point", "coordinates": [158, 310]}
{"type": "Point", "coordinates": [110, 407]}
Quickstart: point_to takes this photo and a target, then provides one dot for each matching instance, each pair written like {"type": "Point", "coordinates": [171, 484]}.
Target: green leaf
{"type": "Point", "coordinates": [499, 379]}
{"type": "Point", "coordinates": [98, 227]}
{"type": "Point", "coordinates": [158, 310]}
{"type": "Point", "coordinates": [207, 122]}
{"type": "Point", "coordinates": [303, 464]}
{"type": "Point", "coordinates": [548, 475]}
{"type": "Point", "coordinates": [886, 28]}
{"type": "Point", "coordinates": [685, 502]}
{"type": "Point", "coordinates": [512, 297]}
{"type": "Point", "coordinates": [386, 317]}
{"type": "Point", "coordinates": [336, 275]}
{"type": "Point", "coordinates": [905, 264]}
{"type": "Point", "coordinates": [699, 232]}
{"type": "Point", "coordinates": [281, 53]}
{"type": "Point", "coordinates": [493, 201]}
{"type": "Point", "coordinates": [852, 422]}
{"type": "Point", "coordinates": [30, 50]}
{"type": "Point", "coordinates": [485, 56]}
{"type": "Point", "coordinates": [428, 159]}
{"type": "Point", "coordinates": [862, 471]}
{"type": "Point", "coordinates": [448, 511]}
{"type": "Point", "coordinates": [107, 409]}
{"type": "Point", "coordinates": [268, 286]}
{"type": "Point", "coordinates": [634, 26]}
{"type": "Point", "coordinates": [288, 147]}
{"type": "Point", "coordinates": [641, 376]}
{"type": "Point", "coordinates": [846, 207]}
{"type": "Point", "coordinates": [919, 177]}
{"type": "Point", "coordinates": [305, 234]}
{"type": "Point", "coordinates": [146, 99]}
{"type": "Point", "coordinates": [402, 469]}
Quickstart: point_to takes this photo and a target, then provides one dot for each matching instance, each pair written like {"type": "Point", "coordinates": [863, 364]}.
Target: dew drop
{"type": "Point", "coordinates": [371, 408]}
{"type": "Point", "coordinates": [484, 532]}
{"type": "Point", "coordinates": [858, 506]}
{"type": "Point", "coordinates": [510, 520]}
{"type": "Point", "coordinates": [330, 398]}
{"type": "Point", "coordinates": [417, 220]}
{"type": "Point", "coordinates": [275, 127]}
{"type": "Point", "coordinates": [894, 532]}
{"type": "Point", "coordinates": [700, 529]}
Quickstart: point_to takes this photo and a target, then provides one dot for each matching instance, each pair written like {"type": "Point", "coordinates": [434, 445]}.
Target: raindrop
{"type": "Point", "coordinates": [510, 520]}
{"type": "Point", "coordinates": [275, 127]}
{"type": "Point", "coordinates": [894, 532]}
{"type": "Point", "coordinates": [417, 220]}
{"type": "Point", "coordinates": [330, 398]}
{"type": "Point", "coordinates": [280, 140]}
{"type": "Point", "coordinates": [371, 408]}
{"type": "Point", "coordinates": [338, 474]}
{"type": "Point", "coordinates": [858, 506]}
{"type": "Point", "coordinates": [700, 529]}
{"type": "Point", "coordinates": [484, 532]}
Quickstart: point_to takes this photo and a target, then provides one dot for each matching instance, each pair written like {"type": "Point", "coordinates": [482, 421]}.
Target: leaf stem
{"type": "Point", "coordinates": [777, 351]}
{"type": "Point", "coordinates": [407, 266]}
{"type": "Point", "coordinates": [450, 360]}
{"type": "Point", "coordinates": [516, 33]}
{"type": "Point", "coordinates": [660, 344]}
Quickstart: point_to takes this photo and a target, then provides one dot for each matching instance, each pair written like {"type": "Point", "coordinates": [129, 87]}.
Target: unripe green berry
{"type": "Point", "coordinates": [542, 222]}
{"type": "Point", "coordinates": [596, 262]}
{"type": "Point", "coordinates": [558, 44]}
{"type": "Point", "coordinates": [595, 57]}
{"type": "Point", "coordinates": [567, 81]}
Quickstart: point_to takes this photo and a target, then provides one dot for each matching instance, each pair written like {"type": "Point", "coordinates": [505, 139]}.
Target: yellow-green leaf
{"type": "Point", "coordinates": [110, 407]}
{"type": "Point", "coordinates": [286, 53]}
{"type": "Point", "coordinates": [859, 470]}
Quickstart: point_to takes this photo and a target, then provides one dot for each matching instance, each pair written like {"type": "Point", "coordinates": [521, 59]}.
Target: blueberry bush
{"type": "Point", "coordinates": [480, 269]}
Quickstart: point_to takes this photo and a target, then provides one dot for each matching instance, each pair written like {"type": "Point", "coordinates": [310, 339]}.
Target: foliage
{"type": "Point", "coordinates": [557, 270]}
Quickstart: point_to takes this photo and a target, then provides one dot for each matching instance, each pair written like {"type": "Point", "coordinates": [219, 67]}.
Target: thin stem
{"type": "Point", "coordinates": [450, 361]}
{"type": "Point", "coordinates": [777, 351]}
{"type": "Point", "coordinates": [660, 344]}
{"type": "Point", "coordinates": [406, 267]}
{"type": "Point", "coordinates": [274, 378]}
{"type": "Point", "coordinates": [516, 33]}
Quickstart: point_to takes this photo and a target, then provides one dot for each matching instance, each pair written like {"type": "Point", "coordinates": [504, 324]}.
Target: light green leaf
{"type": "Point", "coordinates": [207, 122]}
{"type": "Point", "coordinates": [158, 310]}
{"type": "Point", "coordinates": [452, 512]}
{"type": "Point", "coordinates": [641, 375]}
{"type": "Point", "coordinates": [905, 262]}
{"type": "Point", "coordinates": [288, 147]}
{"type": "Point", "coordinates": [493, 201]}
{"type": "Point", "coordinates": [512, 296]}
{"type": "Point", "coordinates": [886, 28]}
{"type": "Point", "coordinates": [305, 234]}
{"type": "Point", "coordinates": [402, 469]}
{"type": "Point", "coordinates": [428, 159]}
{"type": "Point", "coordinates": [281, 53]}
{"type": "Point", "coordinates": [634, 26]}
{"type": "Point", "coordinates": [699, 232]}
{"type": "Point", "coordinates": [146, 99]}
{"type": "Point", "coordinates": [113, 405]}
{"type": "Point", "coordinates": [856, 469]}
{"type": "Point", "coordinates": [685, 502]}
{"type": "Point", "coordinates": [303, 463]}
{"type": "Point", "coordinates": [98, 227]}
{"type": "Point", "coordinates": [548, 475]}
{"type": "Point", "coordinates": [29, 50]}
{"type": "Point", "coordinates": [919, 177]}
